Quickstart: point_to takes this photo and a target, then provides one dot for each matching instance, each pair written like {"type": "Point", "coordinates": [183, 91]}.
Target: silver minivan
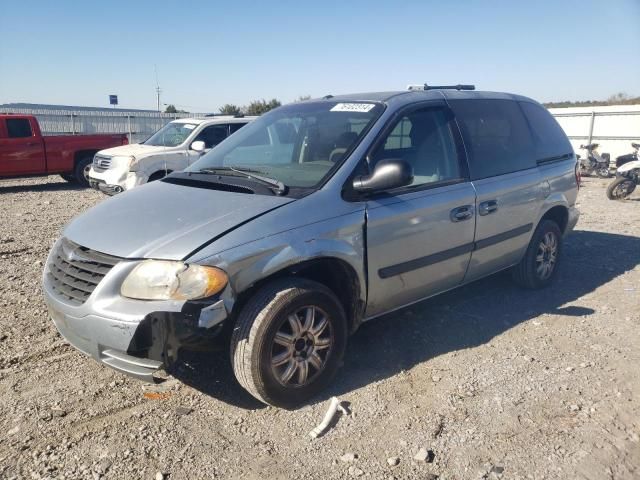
{"type": "Point", "coordinates": [310, 220]}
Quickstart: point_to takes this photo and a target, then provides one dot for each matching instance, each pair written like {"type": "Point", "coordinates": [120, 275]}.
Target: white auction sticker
{"type": "Point", "coordinates": [188, 126]}
{"type": "Point", "coordinates": [352, 107]}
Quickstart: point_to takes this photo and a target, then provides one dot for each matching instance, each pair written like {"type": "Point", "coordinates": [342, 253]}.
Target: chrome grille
{"type": "Point", "coordinates": [75, 271]}
{"type": "Point", "coordinates": [101, 163]}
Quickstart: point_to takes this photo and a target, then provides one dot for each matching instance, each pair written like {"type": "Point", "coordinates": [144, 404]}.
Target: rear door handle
{"type": "Point", "coordinates": [485, 208]}
{"type": "Point", "coordinates": [462, 213]}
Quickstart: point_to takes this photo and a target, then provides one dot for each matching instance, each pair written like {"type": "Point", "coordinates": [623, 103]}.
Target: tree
{"type": "Point", "coordinates": [171, 109]}
{"type": "Point", "coordinates": [230, 109]}
{"type": "Point", "coordinates": [258, 107]}
{"type": "Point", "coordinates": [303, 98]}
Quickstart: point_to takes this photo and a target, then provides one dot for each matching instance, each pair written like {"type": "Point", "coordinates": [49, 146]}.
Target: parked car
{"type": "Point", "coordinates": [25, 152]}
{"type": "Point", "coordinates": [172, 148]}
{"type": "Point", "coordinates": [316, 217]}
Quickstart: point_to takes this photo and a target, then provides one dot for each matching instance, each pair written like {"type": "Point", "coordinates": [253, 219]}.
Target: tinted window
{"type": "Point", "coordinates": [550, 140]}
{"type": "Point", "coordinates": [236, 126]}
{"type": "Point", "coordinates": [423, 139]}
{"type": "Point", "coordinates": [497, 137]}
{"type": "Point", "coordinates": [212, 135]}
{"type": "Point", "coordinates": [18, 127]}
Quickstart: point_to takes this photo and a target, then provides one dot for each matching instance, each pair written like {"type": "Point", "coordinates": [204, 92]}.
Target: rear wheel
{"type": "Point", "coordinates": [288, 341]}
{"type": "Point", "coordinates": [620, 188]}
{"type": "Point", "coordinates": [81, 172]}
{"type": "Point", "coordinates": [538, 266]}
{"type": "Point", "coordinates": [68, 177]}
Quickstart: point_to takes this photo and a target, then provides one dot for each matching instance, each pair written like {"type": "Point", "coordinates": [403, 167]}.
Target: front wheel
{"type": "Point", "coordinates": [602, 172]}
{"type": "Point", "coordinates": [288, 341]}
{"type": "Point", "coordinates": [538, 266]}
{"type": "Point", "coordinates": [620, 188]}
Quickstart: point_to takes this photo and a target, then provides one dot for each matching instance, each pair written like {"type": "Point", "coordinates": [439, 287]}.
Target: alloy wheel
{"type": "Point", "coordinates": [546, 256]}
{"type": "Point", "coordinates": [301, 346]}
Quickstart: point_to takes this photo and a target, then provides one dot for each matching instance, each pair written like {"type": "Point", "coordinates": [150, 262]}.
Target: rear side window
{"type": "Point", "coordinates": [18, 127]}
{"type": "Point", "coordinates": [497, 137]}
{"type": "Point", "coordinates": [550, 140]}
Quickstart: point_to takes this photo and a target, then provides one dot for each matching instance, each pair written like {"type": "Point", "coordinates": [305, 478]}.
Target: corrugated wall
{"type": "Point", "coordinates": [137, 125]}
{"type": "Point", "coordinates": [612, 127]}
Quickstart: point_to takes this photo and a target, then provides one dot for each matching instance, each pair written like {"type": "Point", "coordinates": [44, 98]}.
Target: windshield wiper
{"type": "Point", "coordinates": [249, 173]}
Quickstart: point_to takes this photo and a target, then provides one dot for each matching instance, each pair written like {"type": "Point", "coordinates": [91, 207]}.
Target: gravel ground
{"type": "Point", "coordinates": [487, 381]}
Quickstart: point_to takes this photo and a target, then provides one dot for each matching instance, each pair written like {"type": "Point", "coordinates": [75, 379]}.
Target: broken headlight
{"type": "Point", "coordinates": [167, 280]}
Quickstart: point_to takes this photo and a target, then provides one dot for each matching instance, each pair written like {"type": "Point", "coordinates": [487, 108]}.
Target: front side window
{"type": "Point", "coordinates": [298, 145]}
{"type": "Point", "coordinates": [18, 127]}
{"type": "Point", "coordinates": [497, 137]}
{"type": "Point", "coordinates": [171, 135]}
{"type": "Point", "coordinates": [423, 139]}
{"type": "Point", "coordinates": [212, 135]}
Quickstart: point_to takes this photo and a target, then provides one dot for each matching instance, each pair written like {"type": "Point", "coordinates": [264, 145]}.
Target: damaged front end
{"type": "Point", "coordinates": [161, 335]}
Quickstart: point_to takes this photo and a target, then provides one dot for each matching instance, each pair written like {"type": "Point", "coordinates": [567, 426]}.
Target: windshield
{"type": "Point", "coordinates": [298, 145]}
{"type": "Point", "coordinates": [171, 135]}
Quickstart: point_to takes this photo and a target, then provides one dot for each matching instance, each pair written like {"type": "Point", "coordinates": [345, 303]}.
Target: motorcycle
{"type": "Point", "coordinates": [627, 177]}
{"type": "Point", "coordinates": [629, 157]}
{"type": "Point", "coordinates": [594, 163]}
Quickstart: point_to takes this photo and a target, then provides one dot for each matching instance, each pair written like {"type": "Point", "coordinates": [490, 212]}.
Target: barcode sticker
{"type": "Point", "coordinates": [352, 107]}
{"type": "Point", "coordinates": [188, 126]}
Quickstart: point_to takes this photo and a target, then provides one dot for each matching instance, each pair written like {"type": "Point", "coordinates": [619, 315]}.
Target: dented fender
{"type": "Point", "coordinates": [341, 238]}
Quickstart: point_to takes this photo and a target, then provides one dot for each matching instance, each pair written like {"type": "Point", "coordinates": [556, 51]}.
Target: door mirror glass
{"type": "Point", "coordinates": [387, 174]}
{"type": "Point", "coordinates": [198, 146]}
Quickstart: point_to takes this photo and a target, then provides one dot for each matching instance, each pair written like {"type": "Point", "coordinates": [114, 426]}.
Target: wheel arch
{"type": "Point", "coordinates": [80, 154]}
{"type": "Point", "coordinates": [332, 272]}
{"type": "Point", "coordinates": [559, 214]}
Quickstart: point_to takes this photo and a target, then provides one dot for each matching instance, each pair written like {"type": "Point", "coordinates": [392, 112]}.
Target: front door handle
{"type": "Point", "coordinates": [485, 208]}
{"type": "Point", "coordinates": [462, 213]}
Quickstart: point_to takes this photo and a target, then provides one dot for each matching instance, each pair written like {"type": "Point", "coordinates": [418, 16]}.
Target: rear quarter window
{"type": "Point", "coordinates": [550, 140]}
{"type": "Point", "coordinates": [497, 137]}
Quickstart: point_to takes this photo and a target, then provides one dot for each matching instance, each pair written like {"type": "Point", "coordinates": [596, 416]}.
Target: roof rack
{"type": "Point", "coordinates": [237, 115]}
{"type": "Point", "coordinates": [441, 87]}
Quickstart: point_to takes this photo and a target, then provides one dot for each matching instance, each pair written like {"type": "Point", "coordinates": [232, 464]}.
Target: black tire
{"type": "Point", "coordinates": [254, 345]}
{"type": "Point", "coordinates": [602, 172]}
{"type": "Point", "coordinates": [81, 171]}
{"type": "Point", "coordinates": [528, 273]}
{"type": "Point", "coordinates": [68, 177]}
{"type": "Point", "coordinates": [157, 176]}
{"type": "Point", "coordinates": [620, 188]}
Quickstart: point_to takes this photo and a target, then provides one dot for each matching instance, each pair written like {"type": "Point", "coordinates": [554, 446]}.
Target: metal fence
{"type": "Point", "coordinates": [137, 125]}
{"type": "Point", "coordinates": [613, 127]}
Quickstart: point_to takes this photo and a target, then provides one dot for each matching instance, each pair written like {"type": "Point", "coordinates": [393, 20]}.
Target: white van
{"type": "Point", "coordinates": [172, 148]}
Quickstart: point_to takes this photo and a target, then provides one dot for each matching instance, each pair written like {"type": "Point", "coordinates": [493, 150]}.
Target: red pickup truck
{"type": "Point", "coordinates": [24, 151]}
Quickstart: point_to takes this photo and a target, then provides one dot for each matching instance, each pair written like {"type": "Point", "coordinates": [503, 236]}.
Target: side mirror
{"type": "Point", "coordinates": [387, 174]}
{"type": "Point", "coordinates": [198, 146]}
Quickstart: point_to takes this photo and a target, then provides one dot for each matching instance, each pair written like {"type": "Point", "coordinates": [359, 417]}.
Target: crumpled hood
{"type": "Point", "coordinates": [137, 149]}
{"type": "Point", "coordinates": [165, 221]}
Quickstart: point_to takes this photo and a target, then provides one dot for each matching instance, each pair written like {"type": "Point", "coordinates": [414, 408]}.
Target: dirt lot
{"type": "Point", "coordinates": [495, 381]}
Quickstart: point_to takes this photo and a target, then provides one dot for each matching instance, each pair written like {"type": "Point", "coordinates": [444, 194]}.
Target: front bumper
{"type": "Point", "coordinates": [113, 180]}
{"type": "Point", "coordinates": [134, 337]}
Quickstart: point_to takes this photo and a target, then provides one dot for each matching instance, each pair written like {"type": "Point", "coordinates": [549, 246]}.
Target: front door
{"type": "Point", "coordinates": [21, 151]}
{"type": "Point", "coordinates": [420, 237]}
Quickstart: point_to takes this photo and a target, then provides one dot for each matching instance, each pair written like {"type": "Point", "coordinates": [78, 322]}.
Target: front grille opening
{"type": "Point", "coordinates": [75, 271]}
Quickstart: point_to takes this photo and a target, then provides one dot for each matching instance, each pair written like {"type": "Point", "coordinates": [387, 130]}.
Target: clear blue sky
{"type": "Point", "coordinates": [209, 53]}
